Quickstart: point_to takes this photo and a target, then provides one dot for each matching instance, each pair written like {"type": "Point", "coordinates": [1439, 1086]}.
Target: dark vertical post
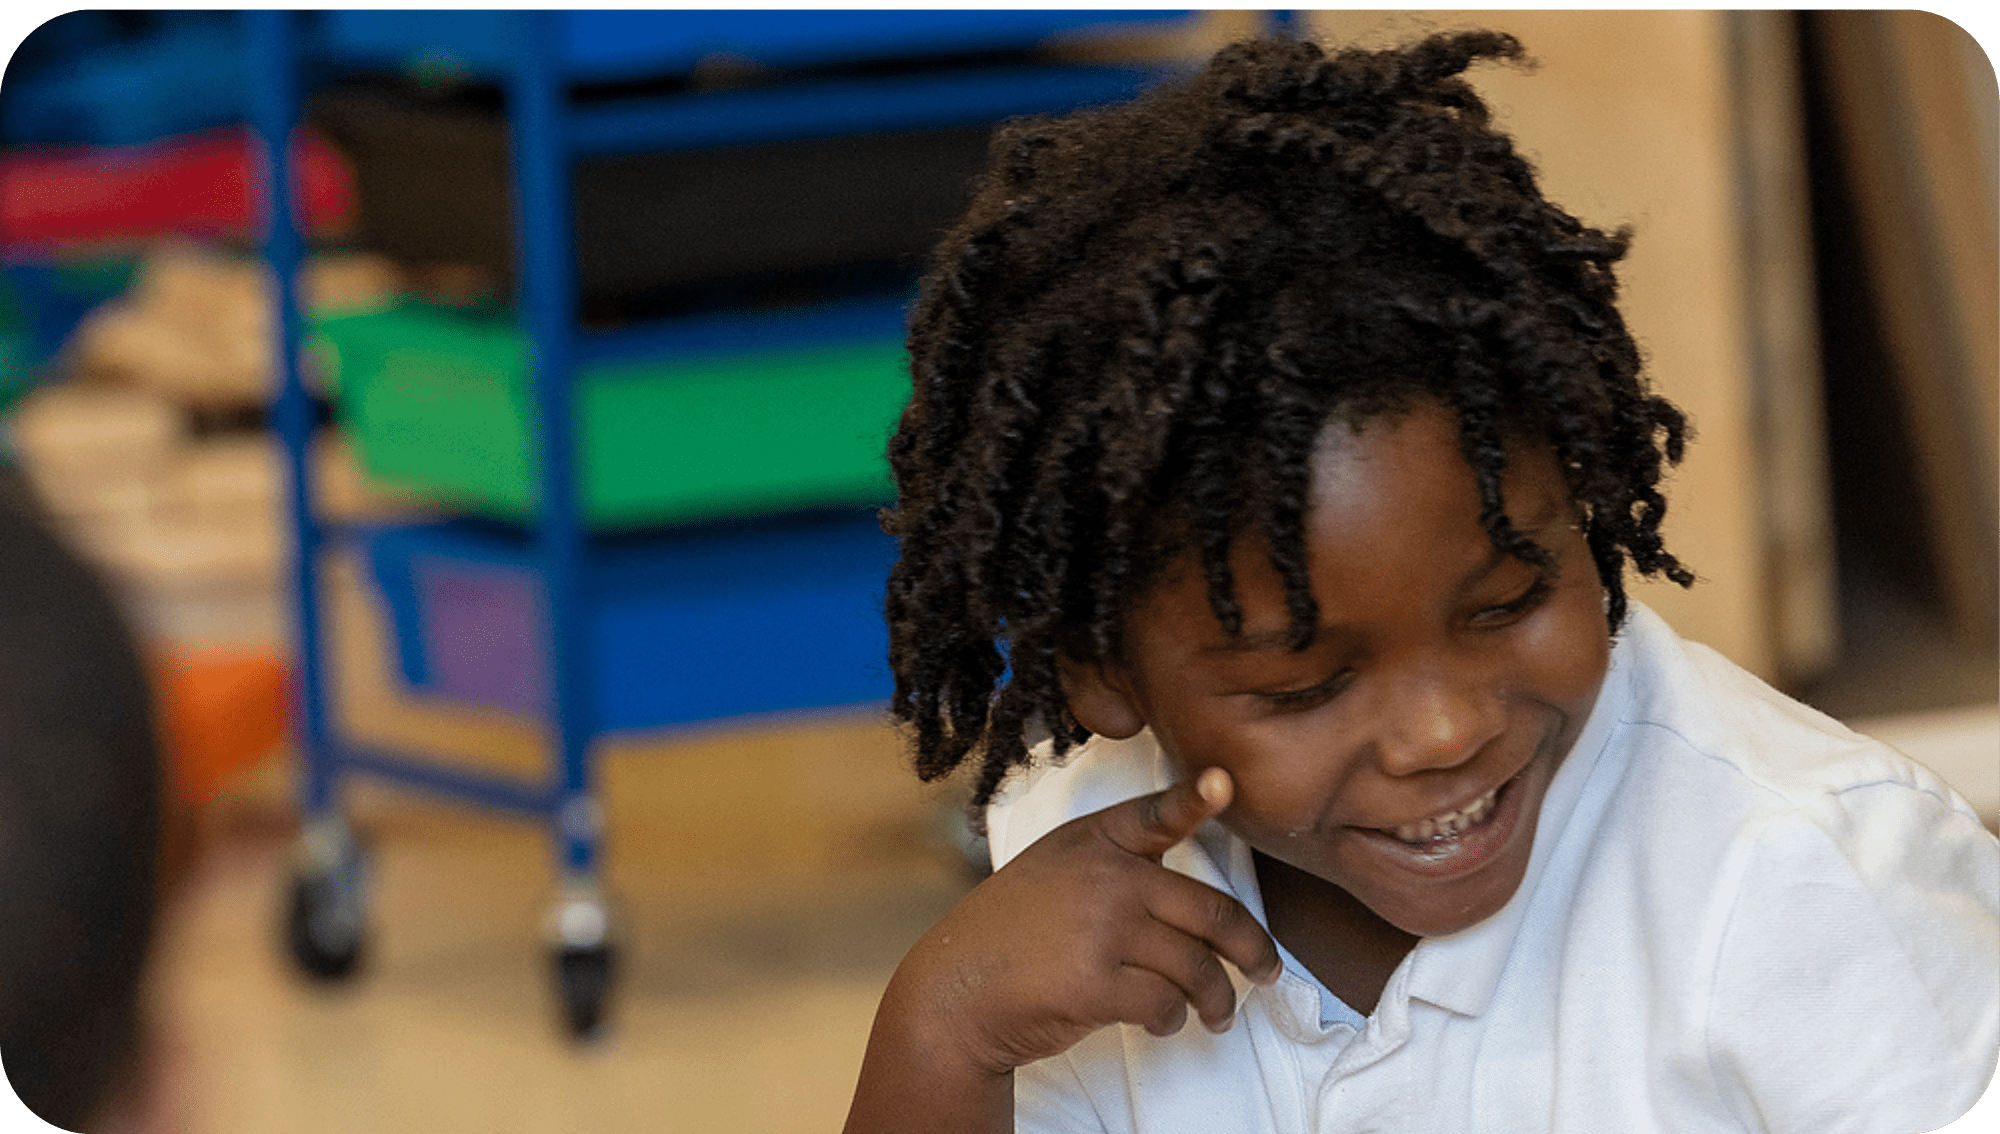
{"type": "Point", "coordinates": [274, 92]}
{"type": "Point", "coordinates": [546, 265]}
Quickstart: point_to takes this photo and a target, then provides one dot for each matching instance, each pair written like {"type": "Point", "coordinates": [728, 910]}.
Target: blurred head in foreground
{"type": "Point", "coordinates": [79, 831]}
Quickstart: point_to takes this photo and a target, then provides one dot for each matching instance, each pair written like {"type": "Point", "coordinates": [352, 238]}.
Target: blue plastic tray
{"type": "Point", "coordinates": [724, 621]}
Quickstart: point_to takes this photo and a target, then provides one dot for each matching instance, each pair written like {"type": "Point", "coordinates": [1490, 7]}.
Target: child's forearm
{"type": "Point", "coordinates": [1082, 930]}
{"type": "Point", "coordinates": [918, 1078]}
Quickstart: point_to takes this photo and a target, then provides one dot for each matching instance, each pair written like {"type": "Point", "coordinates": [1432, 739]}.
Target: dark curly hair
{"type": "Point", "coordinates": [1132, 341]}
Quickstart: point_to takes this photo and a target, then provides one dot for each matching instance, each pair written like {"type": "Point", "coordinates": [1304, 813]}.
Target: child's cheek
{"type": "Point", "coordinates": [1277, 778]}
{"type": "Point", "coordinates": [1566, 654]}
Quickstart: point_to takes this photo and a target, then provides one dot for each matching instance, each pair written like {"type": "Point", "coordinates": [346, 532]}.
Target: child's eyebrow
{"type": "Point", "coordinates": [1257, 643]}
{"type": "Point", "coordinates": [1543, 519]}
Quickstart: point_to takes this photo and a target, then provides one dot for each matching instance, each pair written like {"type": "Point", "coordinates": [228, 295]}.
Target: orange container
{"type": "Point", "coordinates": [221, 712]}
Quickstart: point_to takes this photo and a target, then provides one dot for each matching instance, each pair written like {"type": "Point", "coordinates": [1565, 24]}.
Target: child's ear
{"type": "Point", "coordinates": [1099, 697]}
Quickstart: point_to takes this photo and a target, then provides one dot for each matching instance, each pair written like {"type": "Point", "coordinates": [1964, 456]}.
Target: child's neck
{"type": "Point", "coordinates": [1344, 943]}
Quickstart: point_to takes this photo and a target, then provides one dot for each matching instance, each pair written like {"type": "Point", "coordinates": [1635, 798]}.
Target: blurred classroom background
{"type": "Point", "coordinates": [1814, 279]}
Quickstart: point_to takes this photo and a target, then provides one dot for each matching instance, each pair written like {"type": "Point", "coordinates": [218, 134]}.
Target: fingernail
{"type": "Point", "coordinates": [1213, 785]}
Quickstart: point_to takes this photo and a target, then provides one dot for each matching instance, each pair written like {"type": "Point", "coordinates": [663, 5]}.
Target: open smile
{"type": "Point", "coordinates": [1458, 841]}
{"type": "Point", "coordinates": [1450, 824]}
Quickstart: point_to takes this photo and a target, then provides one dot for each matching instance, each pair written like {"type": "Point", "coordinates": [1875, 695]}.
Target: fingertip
{"type": "Point", "coordinates": [1215, 787]}
{"type": "Point", "coordinates": [1268, 969]}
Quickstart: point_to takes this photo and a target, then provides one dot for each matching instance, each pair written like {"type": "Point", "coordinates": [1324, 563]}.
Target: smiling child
{"type": "Point", "coordinates": [1277, 453]}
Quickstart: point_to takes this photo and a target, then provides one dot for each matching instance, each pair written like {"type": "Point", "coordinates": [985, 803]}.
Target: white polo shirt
{"type": "Point", "coordinates": [1738, 916]}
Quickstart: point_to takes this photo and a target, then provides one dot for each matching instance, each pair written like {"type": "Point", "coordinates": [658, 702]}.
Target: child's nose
{"type": "Point", "coordinates": [1438, 719]}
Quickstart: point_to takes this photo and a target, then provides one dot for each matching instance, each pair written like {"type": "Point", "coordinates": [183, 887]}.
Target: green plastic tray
{"type": "Point", "coordinates": [438, 400]}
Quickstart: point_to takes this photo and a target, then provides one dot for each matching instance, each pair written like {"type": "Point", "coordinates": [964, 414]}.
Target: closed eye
{"type": "Point", "coordinates": [1502, 614]}
{"type": "Point", "coordinates": [1293, 700]}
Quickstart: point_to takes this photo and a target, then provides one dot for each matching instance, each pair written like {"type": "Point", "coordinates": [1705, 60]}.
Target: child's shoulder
{"type": "Point", "coordinates": [1049, 791]}
{"type": "Point", "coordinates": [1694, 699]}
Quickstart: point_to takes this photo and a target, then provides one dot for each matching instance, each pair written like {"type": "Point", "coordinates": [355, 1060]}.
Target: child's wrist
{"type": "Point", "coordinates": [919, 1074]}
{"type": "Point", "coordinates": [929, 1008]}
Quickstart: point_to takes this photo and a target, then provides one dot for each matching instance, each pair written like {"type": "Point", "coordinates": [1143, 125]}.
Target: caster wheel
{"type": "Point", "coordinates": [583, 980]}
{"type": "Point", "coordinates": [323, 936]}
{"type": "Point", "coordinates": [325, 914]}
{"type": "Point", "coordinates": [578, 932]}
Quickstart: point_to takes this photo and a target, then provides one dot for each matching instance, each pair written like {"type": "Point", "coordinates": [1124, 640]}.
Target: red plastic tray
{"type": "Point", "coordinates": [198, 185]}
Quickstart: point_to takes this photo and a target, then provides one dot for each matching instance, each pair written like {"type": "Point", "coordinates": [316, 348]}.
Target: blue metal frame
{"type": "Point", "coordinates": [275, 111]}
{"type": "Point", "coordinates": [548, 305]}
{"type": "Point", "coordinates": [851, 106]}
{"type": "Point", "coordinates": [617, 45]}
{"type": "Point", "coordinates": [739, 332]}
{"type": "Point", "coordinates": [497, 792]}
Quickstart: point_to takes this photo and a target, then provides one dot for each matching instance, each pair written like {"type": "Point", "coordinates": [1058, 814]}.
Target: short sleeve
{"type": "Point", "coordinates": [1050, 1099]}
{"type": "Point", "coordinates": [1857, 977]}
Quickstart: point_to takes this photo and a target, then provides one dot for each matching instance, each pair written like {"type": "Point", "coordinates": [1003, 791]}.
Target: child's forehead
{"type": "Point", "coordinates": [1427, 430]}
{"type": "Point", "coordinates": [1415, 459]}
{"type": "Point", "coordinates": [1396, 467]}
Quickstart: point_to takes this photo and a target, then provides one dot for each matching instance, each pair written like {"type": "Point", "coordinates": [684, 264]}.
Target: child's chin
{"type": "Point", "coordinates": [1434, 922]}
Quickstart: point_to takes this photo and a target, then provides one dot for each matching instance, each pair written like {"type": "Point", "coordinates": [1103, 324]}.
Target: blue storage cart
{"type": "Point", "coordinates": [596, 633]}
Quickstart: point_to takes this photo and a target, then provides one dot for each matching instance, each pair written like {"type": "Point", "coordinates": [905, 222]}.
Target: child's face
{"type": "Point", "coordinates": [1403, 756]}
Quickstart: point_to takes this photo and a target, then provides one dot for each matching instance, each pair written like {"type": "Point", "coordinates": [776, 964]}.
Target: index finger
{"type": "Point", "coordinates": [1151, 824]}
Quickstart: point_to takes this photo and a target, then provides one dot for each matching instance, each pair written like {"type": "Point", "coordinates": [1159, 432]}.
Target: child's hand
{"type": "Point", "coordinates": [1085, 928]}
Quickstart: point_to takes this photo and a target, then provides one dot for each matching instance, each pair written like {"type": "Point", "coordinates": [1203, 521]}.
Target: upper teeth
{"type": "Point", "coordinates": [1448, 825]}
